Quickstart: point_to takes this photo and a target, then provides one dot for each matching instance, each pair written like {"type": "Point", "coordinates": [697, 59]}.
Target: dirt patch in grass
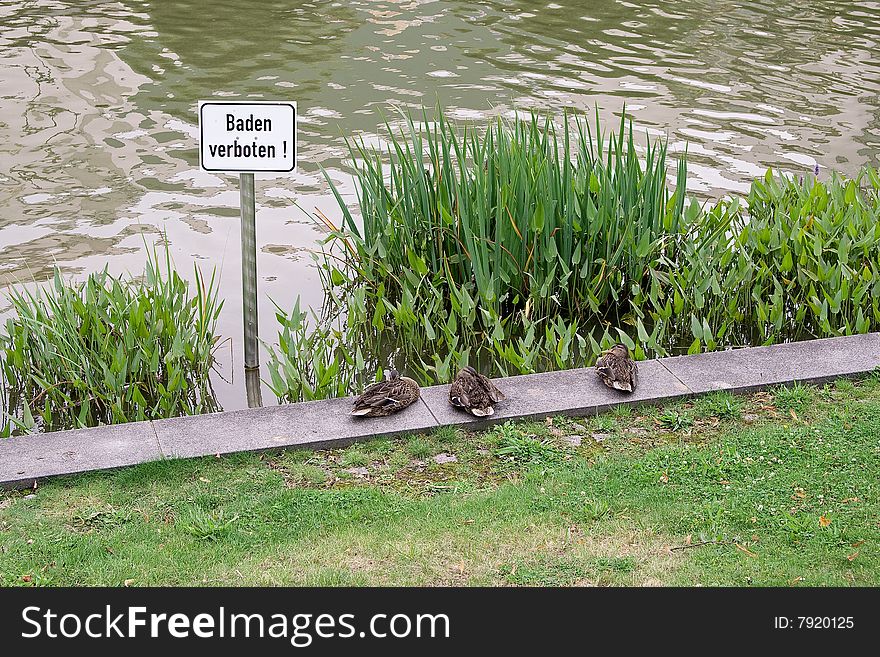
{"type": "Point", "coordinates": [474, 554]}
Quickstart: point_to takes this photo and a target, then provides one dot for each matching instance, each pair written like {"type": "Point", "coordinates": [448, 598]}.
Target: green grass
{"type": "Point", "coordinates": [419, 447]}
{"type": "Point", "coordinates": [796, 398]}
{"type": "Point", "coordinates": [517, 444]}
{"type": "Point", "coordinates": [719, 404]}
{"type": "Point", "coordinates": [756, 497]}
{"type": "Point", "coordinates": [448, 433]}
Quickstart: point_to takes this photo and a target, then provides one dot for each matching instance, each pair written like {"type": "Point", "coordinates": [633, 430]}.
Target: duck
{"type": "Point", "coordinates": [474, 392]}
{"type": "Point", "coordinates": [386, 397]}
{"type": "Point", "coordinates": [617, 369]}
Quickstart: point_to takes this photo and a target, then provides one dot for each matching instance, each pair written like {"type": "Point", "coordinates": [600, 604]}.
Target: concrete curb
{"type": "Point", "coordinates": [326, 424]}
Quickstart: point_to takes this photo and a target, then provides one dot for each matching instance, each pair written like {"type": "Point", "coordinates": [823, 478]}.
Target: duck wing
{"type": "Point", "coordinates": [372, 395]}
{"type": "Point", "coordinates": [493, 393]}
{"type": "Point", "coordinates": [474, 392]}
{"type": "Point", "coordinates": [618, 373]}
{"type": "Point", "coordinates": [383, 398]}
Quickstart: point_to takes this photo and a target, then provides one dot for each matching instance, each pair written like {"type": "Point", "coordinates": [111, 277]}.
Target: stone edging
{"type": "Point", "coordinates": [326, 424]}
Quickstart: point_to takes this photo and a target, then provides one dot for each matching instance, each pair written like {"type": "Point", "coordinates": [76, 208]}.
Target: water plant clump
{"type": "Point", "coordinates": [490, 251]}
{"type": "Point", "coordinates": [529, 246]}
{"type": "Point", "coordinates": [796, 260]}
{"type": "Point", "coordinates": [108, 350]}
{"type": "Point", "coordinates": [523, 214]}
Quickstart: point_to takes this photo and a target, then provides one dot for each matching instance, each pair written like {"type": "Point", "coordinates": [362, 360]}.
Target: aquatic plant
{"type": "Point", "coordinates": [801, 261]}
{"type": "Point", "coordinates": [521, 212]}
{"type": "Point", "coordinates": [108, 350]}
{"type": "Point", "coordinates": [316, 360]}
{"type": "Point", "coordinates": [455, 263]}
{"type": "Point", "coordinates": [530, 246]}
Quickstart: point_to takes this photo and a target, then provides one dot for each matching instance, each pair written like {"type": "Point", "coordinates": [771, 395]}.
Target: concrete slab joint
{"type": "Point", "coordinates": [327, 424]}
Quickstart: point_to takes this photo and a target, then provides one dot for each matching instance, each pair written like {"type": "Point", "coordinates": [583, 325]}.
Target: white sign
{"type": "Point", "coordinates": [245, 136]}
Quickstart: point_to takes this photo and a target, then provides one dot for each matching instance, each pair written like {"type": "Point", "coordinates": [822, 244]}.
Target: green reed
{"type": "Point", "coordinates": [528, 246]}
{"type": "Point", "coordinates": [108, 350]}
{"type": "Point", "coordinates": [524, 211]}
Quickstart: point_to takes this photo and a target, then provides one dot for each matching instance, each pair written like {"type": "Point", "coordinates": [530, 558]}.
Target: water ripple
{"type": "Point", "coordinates": [98, 130]}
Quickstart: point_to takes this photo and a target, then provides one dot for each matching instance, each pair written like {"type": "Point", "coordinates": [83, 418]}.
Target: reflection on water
{"type": "Point", "coordinates": [97, 109]}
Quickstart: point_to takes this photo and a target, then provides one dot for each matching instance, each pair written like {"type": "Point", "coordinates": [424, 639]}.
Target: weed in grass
{"type": "Point", "coordinates": [335, 577]}
{"type": "Point", "coordinates": [299, 455]}
{"type": "Point", "coordinates": [38, 579]}
{"type": "Point", "coordinates": [719, 404]}
{"type": "Point", "coordinates": [595, 510]}
{"type": "Point", "coordinates": [378, 447]}
{"type": "Point", "coordinates": [308, 474]}
{"type": "Point", "coordinates": [528, 449]}
{"type": "Point", "coordinates": [673, 420]}
{"type": "Point", "coordinates": [844, 385]}
{"type": "Point", "coordinates": [354, 457]}
{"type": "Point", "coordinates": [514, 444]}
{"type": "Point", "coordinates": [398, 459]}
{"type": "Point", "coordinates": [91, 519]}
{"type": "Point", "coordinates": [419, 447]}
{"type": "Point", "coordinates": [799, 526]}
{"type": "Point", "coordinates": [206, 499]}
{"type": "Point", "coordinates": [449, 434]}
{"type": "Point", "coordinates": [615, 564]}
{"type": "Point", "coordinates": [621, 411]}
{"type": "Point", "coordinates": [207, 525]}
{"type": "Point", "coordinates": [795, 398]}
{"type": "Point", "coordinates": [559, 573]}
{"type": "Point", "coordinates": [537, 429]}
{"type": "Point", "coordinates": [564, 423]}
{"type": "Point", "coordinates": [507, 430]}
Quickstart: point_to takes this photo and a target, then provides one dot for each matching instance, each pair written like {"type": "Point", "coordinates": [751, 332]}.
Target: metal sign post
{"type": "Point", "coordinates": [253, 387]}
{"type": "Point", "coordinates": [243, 137]}
{"type": "Point", "coordinates": [249, 270]}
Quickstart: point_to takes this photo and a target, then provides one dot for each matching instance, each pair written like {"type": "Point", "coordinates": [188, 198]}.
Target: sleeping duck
{"type": "Point", "coordinates": [386, 397]}
{"type": "Point", "coordinates": [617, 369]}
{"type": "Point", "coordinates": [474, 392]}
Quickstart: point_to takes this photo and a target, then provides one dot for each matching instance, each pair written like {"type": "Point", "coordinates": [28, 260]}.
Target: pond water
{"type": "Point", "coordinates": [98, 101]}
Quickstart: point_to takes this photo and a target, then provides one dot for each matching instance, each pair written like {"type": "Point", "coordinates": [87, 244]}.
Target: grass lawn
{"type": "Point", "coordinates": [778, 488]}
